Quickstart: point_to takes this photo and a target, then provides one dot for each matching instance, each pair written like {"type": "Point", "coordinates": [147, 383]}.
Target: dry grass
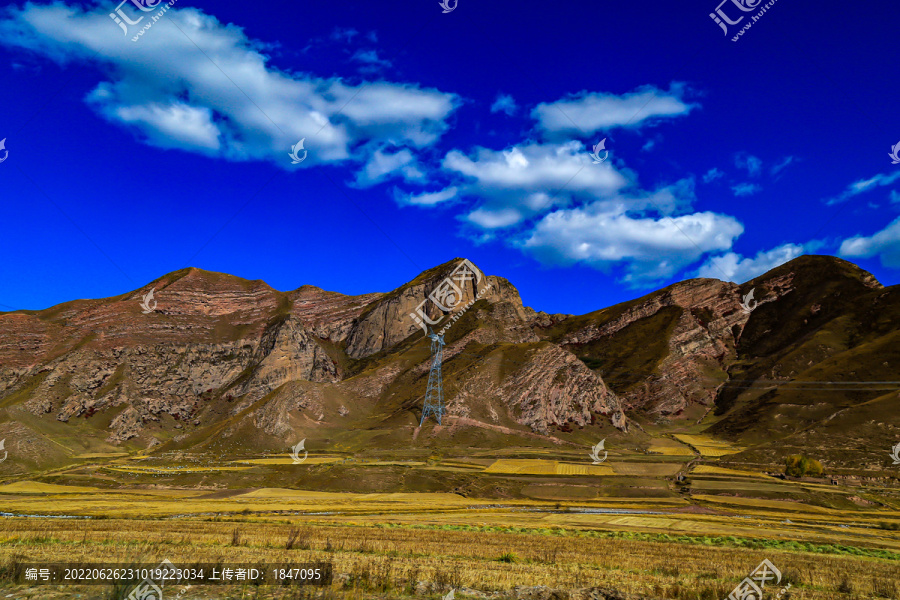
{"type": "Point", "coordinates": [35, 487]}
{"type": "Point", "coordinates": [310, 460]}
{"type": "Point", "coordinates": [668, 447]}
{"type": "Point", "coordinates": [710, 470]}
{"type": "Point", "coordinates": [546, 467]}
{"type": "Point", "coordinates": [173, 470]}
{"type": "Point", "coordinates": [707, 446]}
{"type": "Point", "coordinates": [388, 562]}
{"type": "Point", "coordinates": [646, 469]}
{"type": "Point", "coordinates": [757, 503]}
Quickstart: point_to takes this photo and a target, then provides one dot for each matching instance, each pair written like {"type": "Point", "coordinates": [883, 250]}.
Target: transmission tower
{"type": "Point", "coordinates": [434, 395]}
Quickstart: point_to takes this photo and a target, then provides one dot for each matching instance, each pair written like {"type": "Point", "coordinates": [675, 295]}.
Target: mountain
{"type": "Point", "coordinates": [217, 363]}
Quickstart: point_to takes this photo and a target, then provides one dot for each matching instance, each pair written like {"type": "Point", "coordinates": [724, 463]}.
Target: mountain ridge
{"type": "Point", "coordinates": [238, 359]}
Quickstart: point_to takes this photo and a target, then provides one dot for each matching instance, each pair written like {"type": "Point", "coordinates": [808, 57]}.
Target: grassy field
{"type": "Point", "coordinates": [392, 557]}
{"type": "Point", "coordinates": [489, 525]}
{"type": "Point", "coordinates": [707, 446]}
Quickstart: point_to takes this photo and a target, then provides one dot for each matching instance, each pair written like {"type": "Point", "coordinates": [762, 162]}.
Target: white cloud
{"type": "Point", "coordinates": [371, 62]}
{"type": "Point", "coordinates": [226, 101]}
{"type": "Point", "coordinates": [895, 197]}
{"type": "Point", "coordinates": [864, 185]}
{"type": "Point", "coordinates": [737, 268]}
{"type": "Point", "coordinates": [174, 125]}
{"type": "Point", "coordinates": [782, 165]}
{"type": "Point", "coordinates": [648, 146]}
{"type": "Point", "coordinates": [427, 198]}
{"type": "Point", "coordinates": [748, 162]}
{"type": "Point", "coordinates": [383, 165]}
{"type": "Point", "coordinates": [651, 248]}
{"type": "Point", "coordinates": [524, 180]}
{"type": "Point", "coordinates": [344, 34]}
{"type": "Point", "coordinates": [745, 189]}
{"type": "Point", "coordinates": [885, 244]}
{"type": "Point", "coordinates": [586, 113]}
{"type": "Point", "coordinates": [504, 103]}
{"type": "Point", "coordinates": [496, 218]}
{"type": "Point", "coordinates": [712, 175]}
{"type": "Point", "coordinates": [601, 216]}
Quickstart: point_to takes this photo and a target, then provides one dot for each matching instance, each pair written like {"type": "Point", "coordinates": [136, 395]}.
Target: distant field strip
{"type": "Point", "coordinates": [173, 470]}
{"type": "Point", "coordinates": [647, 469]}
{"type": "Point", "coordinates": [710, 470]}
{"type": "Point", "coordinates": [545, 467]}
{"type": "Point", "coordinates": [769, 504]}
{"type": "Point", "coordinates": [312, 460]}
{"type": "Point", "coordinates": [668, 447]}
{"type": "Point", "coordinates": [706, 445]}
{"type": "Point", "coordinates": [35, 487]}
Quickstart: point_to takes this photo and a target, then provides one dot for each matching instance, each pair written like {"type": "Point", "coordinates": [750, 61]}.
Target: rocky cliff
{"type": "Point", "coordinates": [216, 357]}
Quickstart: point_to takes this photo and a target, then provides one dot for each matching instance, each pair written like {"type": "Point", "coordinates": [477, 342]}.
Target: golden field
{"type": "Point", "coordinates": [505, 521]}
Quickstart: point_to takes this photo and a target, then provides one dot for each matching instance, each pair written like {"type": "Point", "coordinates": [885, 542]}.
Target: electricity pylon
{"type": "Point", "coordinates": [434, 394]}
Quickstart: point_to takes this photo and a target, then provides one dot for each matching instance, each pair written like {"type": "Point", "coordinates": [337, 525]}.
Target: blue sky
{"type": "Point", "coordinates": [432, 135]}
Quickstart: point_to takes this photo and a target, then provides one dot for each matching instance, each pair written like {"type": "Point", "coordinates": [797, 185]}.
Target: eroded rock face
{"type": "Point", "coordinates": [390, 321]}
{"type": "Point", "coordinates": [287, 352]}
{"type": "Point", "coordinates": [701, 344]}
{"type": "Point", "coordinates": [328, 315]}
{"type": "Point", "coordinates": [217, 348]}
{"type": "Point", "coordinates": [555, 388]}
{"type": "Point", "coordinates": [207, 334]}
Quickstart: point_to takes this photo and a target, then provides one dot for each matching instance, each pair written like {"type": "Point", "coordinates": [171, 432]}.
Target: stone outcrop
{"type": "Point", "coordinates": [553, 388]}
{"type": "Point", "coordinates": [389, 320]}
{"type": "Point", "coordinates": [240, 358]}
{"type": "Point", "coordinates": [701, 342]}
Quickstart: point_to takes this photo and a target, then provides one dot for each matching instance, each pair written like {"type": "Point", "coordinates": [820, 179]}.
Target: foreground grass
{"type": "Point", "coordinates": [395, 561]}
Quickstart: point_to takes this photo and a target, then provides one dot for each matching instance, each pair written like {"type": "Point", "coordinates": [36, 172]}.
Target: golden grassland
{"type": "Point", "coordinates": [646, 469]}
{"type": "Point", "coordinates": [389, 560]}
{"type": "Point", "coordinates": [762, 503]}
{"type": "Point", "coordinates": [668, 447]}
{"type": "Point", "coordinates": [711, 470]}
{"type": "Point", "coordinates": [623, 524]}
{"type": "Point", "coordinates": [173, 470]}
{"type": "Point", "coordinates": [707, 445]}
{"type": "Point", "coordinates": [36, 487]}
{"type": "Point", "coordinates": [536, 466]}
{"type": "Point", "coordinates": [311, 460]}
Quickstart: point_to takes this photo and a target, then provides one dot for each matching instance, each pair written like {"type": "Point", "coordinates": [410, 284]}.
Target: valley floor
{"type": "Point", "coordinates": [676, 522]}
{"type": "Point", "coordinates": [392, 545]}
